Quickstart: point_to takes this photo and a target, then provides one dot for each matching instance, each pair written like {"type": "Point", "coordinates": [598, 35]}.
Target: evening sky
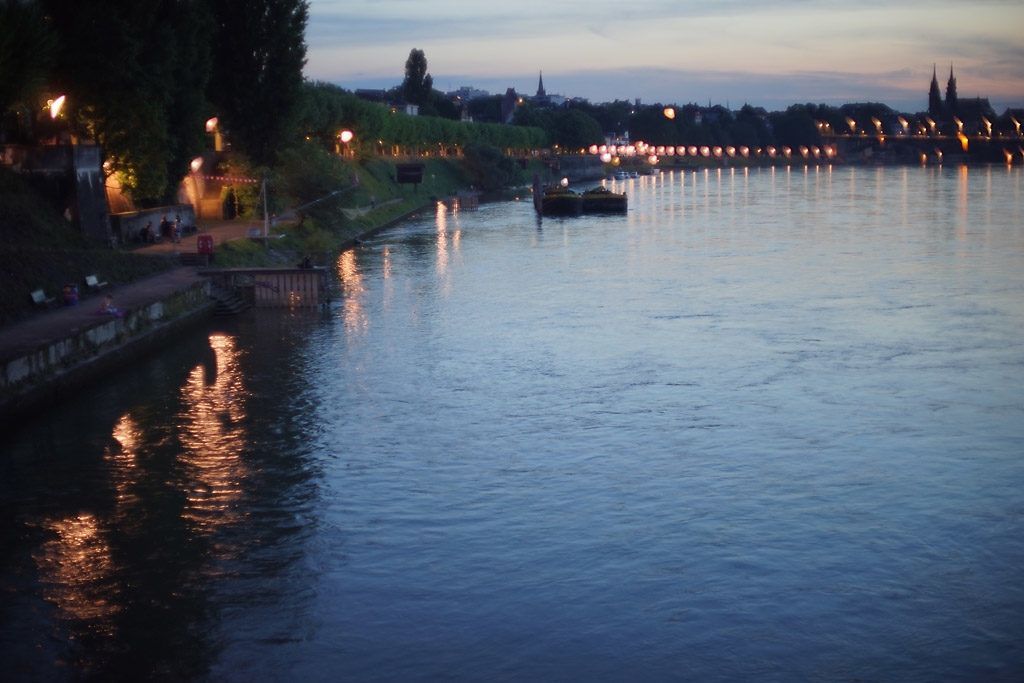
{"type": "Point", "coordinates": [769, 53]}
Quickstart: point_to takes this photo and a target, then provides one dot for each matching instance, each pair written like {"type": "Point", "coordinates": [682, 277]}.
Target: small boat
{"type": "Point", "coordinates": [603, 200]}
{"type": "Point", "coordinates": [622, 175]}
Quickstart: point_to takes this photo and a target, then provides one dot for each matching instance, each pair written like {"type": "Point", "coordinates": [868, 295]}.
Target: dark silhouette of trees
{"type": "Point", "coordinates": [258, 54]}
{"type": "Point", "coordinates": [417, 86]}
{"type": "Point", "coordinates": [27, 51]}
{"type": "Point", "coordinates": [566, 127]}
{"type": "Point", "coordinates": [135, 75]}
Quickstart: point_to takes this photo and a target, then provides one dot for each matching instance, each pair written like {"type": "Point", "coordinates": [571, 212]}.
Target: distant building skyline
{"type": "Point", "coordinates": [769, 53]}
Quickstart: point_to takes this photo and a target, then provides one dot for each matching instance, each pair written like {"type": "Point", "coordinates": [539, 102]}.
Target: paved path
{"type": "Point", "coordinates": [222, 231]}
{"type": "Point", "coordinates": [57, 323]}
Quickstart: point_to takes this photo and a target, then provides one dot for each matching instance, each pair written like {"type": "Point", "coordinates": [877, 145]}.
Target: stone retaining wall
{"type": "Point", "coordinates": [57, 367]}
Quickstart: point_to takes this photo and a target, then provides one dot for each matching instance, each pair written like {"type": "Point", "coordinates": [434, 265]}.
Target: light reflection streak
{"type": "Point", "coordinates": [213, 437]}
{"type": "Point", "coordinates": [442, 239]}
{"type": "Point", "coordinates": [963, 187]}
{"type": "Point", "coordinates": [75, 569]}
{"type": "Point", "coordinates": [123, 459]}
{"type": "Point", "coordinates": [356, 320]}
{"type": "Point", "coordinates": [448, 243]}
{"type": "Point", "coordinates": [386, 276]}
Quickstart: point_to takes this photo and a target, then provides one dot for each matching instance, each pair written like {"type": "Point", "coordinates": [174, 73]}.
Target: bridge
{"type": "Point", "coordinates": [930, 148]}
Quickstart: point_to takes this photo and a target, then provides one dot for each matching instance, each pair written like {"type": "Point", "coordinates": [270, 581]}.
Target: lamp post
{"type": "Point", "coordinates": [346, 137]}
{"type": "Point", "coordinates": [213, 126]}
{"type": "Point", "coordinates": [194, 167]}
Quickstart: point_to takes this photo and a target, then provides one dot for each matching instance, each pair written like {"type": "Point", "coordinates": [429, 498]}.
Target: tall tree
{"type": "Point", "coordinates": [135, 75]}
{"type": "Point", "coordinates": [418, 83]}
{"type": "Point", "coordinates": [27, 50]}
{"type": "Point", "coordinates": [259, 52]}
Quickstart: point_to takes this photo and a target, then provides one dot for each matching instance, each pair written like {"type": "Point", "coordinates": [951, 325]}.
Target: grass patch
{"type": "Point", "coordinates": [39, 249]}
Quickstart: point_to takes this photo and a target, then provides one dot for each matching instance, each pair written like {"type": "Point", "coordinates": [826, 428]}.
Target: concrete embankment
{"type": "Point", "coordinates": [51, 356]}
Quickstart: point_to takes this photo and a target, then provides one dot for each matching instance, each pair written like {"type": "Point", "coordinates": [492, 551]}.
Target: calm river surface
{"type": "Point", "coordinates": [769, 426]}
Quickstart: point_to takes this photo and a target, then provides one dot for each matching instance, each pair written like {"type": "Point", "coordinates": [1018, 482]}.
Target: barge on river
{"type": "Point", "coordinates": [561, 201]}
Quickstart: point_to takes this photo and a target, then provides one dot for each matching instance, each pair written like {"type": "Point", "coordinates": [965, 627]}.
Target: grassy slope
{"type": "Point", "coordinates": [39, 249]}
{"type": "Point", "coordinates": [376, 201]}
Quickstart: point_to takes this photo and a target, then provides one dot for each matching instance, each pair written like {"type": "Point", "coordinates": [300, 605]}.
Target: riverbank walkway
{"type": "Point", "coordinates": [59, 322]}
{"type": "Point", "coordinates": [221, 231]}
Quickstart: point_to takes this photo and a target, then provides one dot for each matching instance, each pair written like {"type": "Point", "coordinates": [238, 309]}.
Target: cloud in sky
{"type": "Point", "coordinates": [767, 52]}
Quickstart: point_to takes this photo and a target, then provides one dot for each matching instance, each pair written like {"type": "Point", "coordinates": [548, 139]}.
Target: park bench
{"type": "Point", "coordinates": [39, 298]}
{"type": "Point", "coordinates": [93, 283]}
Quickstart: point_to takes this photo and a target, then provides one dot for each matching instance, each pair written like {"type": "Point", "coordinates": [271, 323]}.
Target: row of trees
{"type": "Point", "coordinates": [580, 124]}
{"type": "Point", "coordinates": [326, 109]}
{"type": "Point", "coordinates": [141, 78]}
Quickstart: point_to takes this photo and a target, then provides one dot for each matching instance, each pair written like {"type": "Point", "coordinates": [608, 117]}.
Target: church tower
{"type": "Point", "coordinates": [540, 86]}
{"type": "Point", "coordinates": [934, 96]}
{"type": "Point", "coordinates": [951, 103]}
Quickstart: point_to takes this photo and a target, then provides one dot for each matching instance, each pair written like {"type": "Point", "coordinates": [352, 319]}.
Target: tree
{"type": "Point", "coordinates": [650, 125]}
{"type": "Point", "coordinates": [259, 52]}
{"type": "Point", "coordinates": [135, 76]}
{"type": "Point", "coordinates": [795, 126]}
{"type": "Point", "coordinates": [418, 83]}
{"type": "Point", "coordinates": [27, 50]}
{"type": "Point", "coordinates": [488, 168]}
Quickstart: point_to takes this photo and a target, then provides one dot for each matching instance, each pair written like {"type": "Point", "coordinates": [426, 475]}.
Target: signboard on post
{"type": "Point", "coordinates": [409, 173]}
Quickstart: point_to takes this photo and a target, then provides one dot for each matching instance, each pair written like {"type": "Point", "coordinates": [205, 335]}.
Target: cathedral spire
{"type": "Point", "coordinates": [951, 99]}
{"type": "Point", "coordinates": [540, 86]}
{"type": "Point", "coordinates": [934, 96]}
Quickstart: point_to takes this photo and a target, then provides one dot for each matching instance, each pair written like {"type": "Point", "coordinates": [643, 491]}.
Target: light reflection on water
{"type": "Point", "coordinates": [211, 428]}
{"type": "Point", "coordinates": [75, 570]}
{"type": "Point", "coordinates": [766, 426]}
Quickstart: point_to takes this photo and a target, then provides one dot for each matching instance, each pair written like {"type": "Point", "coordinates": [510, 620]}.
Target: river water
{"type": "Point", "coordinates": [768, 426]}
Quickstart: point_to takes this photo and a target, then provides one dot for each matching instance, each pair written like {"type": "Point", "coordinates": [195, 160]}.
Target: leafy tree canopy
{"type": "Point", "coordinates": [259, 52]}
{"type": "Point", "coordinates": [418, 83]}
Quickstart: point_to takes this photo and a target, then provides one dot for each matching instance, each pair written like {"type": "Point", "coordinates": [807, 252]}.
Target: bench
{"type": "Point", "coordinates": [93, 283]}
{"type": "Point", "coordinates": [39, 298]}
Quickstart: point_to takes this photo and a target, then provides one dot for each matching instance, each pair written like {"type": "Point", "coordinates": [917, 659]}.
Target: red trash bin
{"type": "Point", "coordinates": [204, 244]}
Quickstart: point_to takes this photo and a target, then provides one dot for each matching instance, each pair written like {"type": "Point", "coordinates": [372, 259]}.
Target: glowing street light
{"type": "Point", "coordinates": [669, 113]}
{"type": "Point", "coordinates": [56, 105]}
{"type": "Point", "coordinates": [345, 137]}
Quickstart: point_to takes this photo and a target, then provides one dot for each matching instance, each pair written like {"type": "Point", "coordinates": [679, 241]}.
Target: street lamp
{"type": "Point", "coordinates": [346, 137]}
{"type": "Point", "coordinates": [56, 105]}
{"type": "Point", "coordinates": [213, 127]}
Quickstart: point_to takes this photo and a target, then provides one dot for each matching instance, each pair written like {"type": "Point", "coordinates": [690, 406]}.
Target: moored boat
{"type": "Point", "coordinates": [561, 202]}
{"type": "Point", "coordinates": [603, 200]}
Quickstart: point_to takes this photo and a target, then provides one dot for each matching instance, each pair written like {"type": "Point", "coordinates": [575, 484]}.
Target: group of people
{"type": "Point", "coordinates": [167, 230]}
